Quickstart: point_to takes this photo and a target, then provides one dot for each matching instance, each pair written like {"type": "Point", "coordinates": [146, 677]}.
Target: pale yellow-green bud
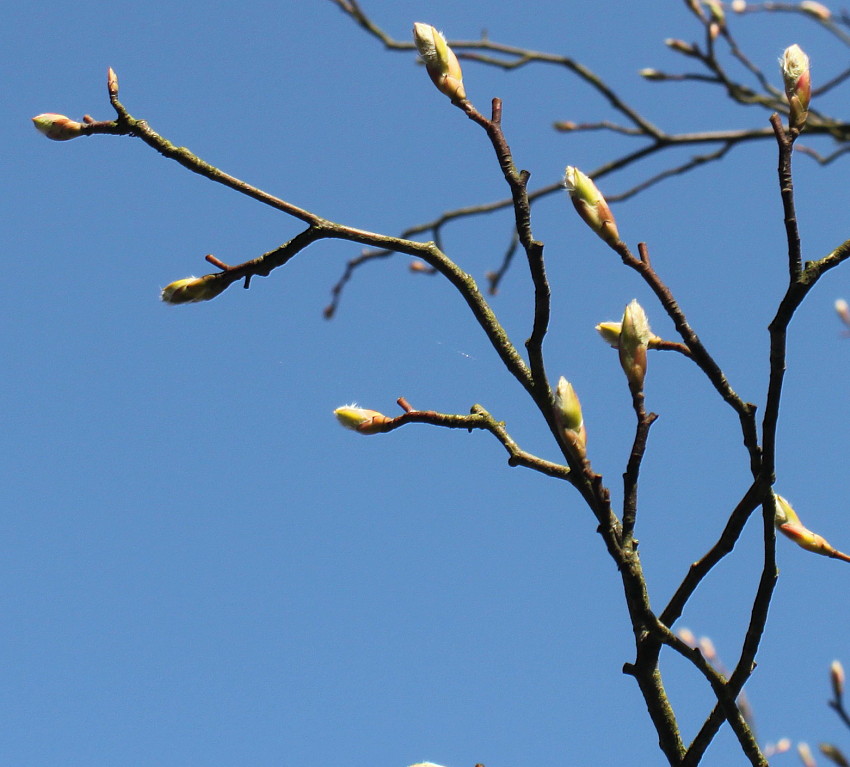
{"type": "Point", "coordinates": [652, 74]}
{"type": "Point", "coordinates": [360, 419]}
{"type": "Point", "coordinates": [635, 335]}
{"type": "Point", "coordinates": [788, 523]}
{"type": "Point", "coordinates": [836, 678]}
{"type": "Point", "coordinates": [797, 79]}
{"type": "Point", "coordinates": [440, 61]}
{"type": "Point", "coordinates": [590, 205]}
{"type": "Point", "coordinates": [818, 10]}
{"type": "Point", "coordinates": [191, 290]}
{"type": "Point", "coordinates": [716, 11]}
{"type": "Point", "coordinates": [610, 332]}
{"type": "Point", "coordinates": [57, 127]}
{"type": "Point", "coordinates": [570, 419]}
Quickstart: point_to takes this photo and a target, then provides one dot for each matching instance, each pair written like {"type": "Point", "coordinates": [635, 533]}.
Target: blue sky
{"type": "Point", "coordinates": [200, 567]}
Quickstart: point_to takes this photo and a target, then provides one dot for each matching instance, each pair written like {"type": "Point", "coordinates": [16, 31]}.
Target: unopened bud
{"type": "Point", "coordinates": [111, 82]}
{"type": "Point", "coordinates": [680, 46]}
{"type": "Point", "coordinates": [806, 755]}
{"type": "Point", "coordinates": [570, 419]}
{"type": "Point", "coordinates": [836, 678]}
{"type": "Point", "coordinates": [635, 335]}
{"type": "Point", "coordinates": [652, 74]}
{"type": "Point", "coordinates": [843, 310]}
{"type": "Point", "coordinates": [440, 61]}
{"type": "Point", "coordinates": [818, 10]}
{"type": "Point", "coordinates": [706, 646]}
{"type": "Point", "coordinates": [57, 127]}
{"type": "Point", "coordinates": [610, 332]}
{"type": "Point", "coordinates": [716, 11]}
{"type": "Point", "coordinates": [591, 205]}
{"type": "Point", "coordinates": [834, 754]}
{"type": "Point", "coordinates": [565, 125]}
{"type": "Point", "coordinates": [788, 523]}
{"type": "Point", "coordinates": [191, 290]}
{"type": "Point", "coordinates": [687, 636]}
{"type": "Point", "coordinates": [739, 6]}
{"type": "Point", "coordinates": [360, 419]}
{"type": "Point", "coordinates": [798, 85]}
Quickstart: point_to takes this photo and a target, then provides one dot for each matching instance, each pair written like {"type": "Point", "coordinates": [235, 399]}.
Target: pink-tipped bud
{"type": "Point", "coordinates": [440, 61]}
{"type": "Point", "coordinates": [57, 127]}
{"type": "Point", "coordinates": [635, 335]}
{"type": "Point", "coordinates": [191, 290]}
{"type": "Point", "coordinates": [360, 419]}
{"type": "Point", "coordinates": [797, 79]}
{"type": "Point", "coordinates": [843, 310]}
{"type": "Point", "coordinates": [111, 82]}
{"type": "Point", "coordinates": [591, 205]}
{"type": "Point", "coordinates": [805, 754]}
{"type": "Point", "coordinates": [706, 646]}
{"type": "Point", "coordinates": [836, 678]}
{"type": "Point", "coordinates": [818, 10]}
{"type": "Point", "coordinates": [570, 419]}
{"type": "Point", "coordinates": [687, 636]}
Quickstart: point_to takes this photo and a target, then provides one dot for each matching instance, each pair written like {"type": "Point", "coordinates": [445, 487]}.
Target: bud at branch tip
{"type": "Point", "coordinates": [440, 61]}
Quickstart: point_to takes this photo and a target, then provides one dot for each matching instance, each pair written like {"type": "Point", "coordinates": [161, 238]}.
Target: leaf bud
{"type": "Point", "coordinates": [590, 205]}
{"type": "Point", "coordinates": [360, 419]}
{"type": "Point", "coordinates": [440, 61]}
{"type": "Point", "coordinates": [635, 335]}
{"type": "Point", "coordinates": [836, 678]}
{"type": "Point", "coordinates": [570, 419]}
{"type": "Point", "coordinates": [191, 290]}
{"type": "Point", "coordinates": [797, 79]}
{"type": "Point", "coordinates": [57, 127]}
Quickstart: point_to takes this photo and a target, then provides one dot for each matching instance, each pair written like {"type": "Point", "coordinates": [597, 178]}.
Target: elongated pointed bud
{"type": "Point", "coordinates": [788, 523]}
{"type": "Point", "coordinates": [570, 419]}
{"type": "Point", "coordinates": [191, 290]}
{"type": "Point", "coordinates": [360, 419]}
{"type": "Point", "coordinates": [805, 754]}
{"type": "Point", "coordinates": [591, 205]}
{"type": "Point", "coordinates": [111, 82]}
{"type": "Point", "coordinates": [836, 678]}
{"type": "Point", "coordinates": [680, 46]}
{"type": "Point", "coordinates": [57, 127]}
{"type": "Point", "coordinates": [818, 10]}
{"type": "Point", "coordinates": [798, 85]}
{"type": "Point", "coordinates": [635, 335]}
{"type": "Point", "coordinates": [843, 310]}
{"type": "Point", "coordinates": [834, 754]}
{"type": "Point", "coordinates": [610, 333]}
{"type": "Point", "coordinates": [440, 61]}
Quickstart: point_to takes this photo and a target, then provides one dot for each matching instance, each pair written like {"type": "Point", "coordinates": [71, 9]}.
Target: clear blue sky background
{"type": "Point", "coordinates": [200, 567]}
